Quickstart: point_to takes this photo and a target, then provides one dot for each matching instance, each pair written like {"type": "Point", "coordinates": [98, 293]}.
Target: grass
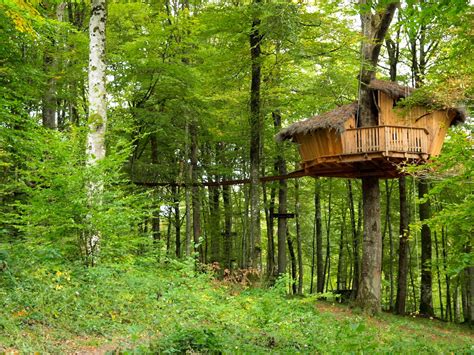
{"type": "Point", "coordinates": [146, 307]}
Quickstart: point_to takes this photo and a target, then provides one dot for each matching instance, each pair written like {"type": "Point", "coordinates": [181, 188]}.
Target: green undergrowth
{"type": "Point", "coordinates": [167, 307]}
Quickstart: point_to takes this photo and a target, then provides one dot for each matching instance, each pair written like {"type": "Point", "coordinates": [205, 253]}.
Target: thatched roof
{"type": "Point", "coordinates": [397, 91]}
{"type": "Point", "coordinates": [336, 118]}
{"type": "Point", "coordinates": [391, 88]}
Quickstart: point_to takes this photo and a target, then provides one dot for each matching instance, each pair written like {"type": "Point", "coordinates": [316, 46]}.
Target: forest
{"type": "Point", "coordinates": [159, 192]}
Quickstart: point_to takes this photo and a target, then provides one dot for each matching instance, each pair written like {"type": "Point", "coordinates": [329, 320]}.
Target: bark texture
{"type": "Point", "coordinates": [402, 249]}
{"type": "Point", "coordinates": [196, 194]}
{"type": "Point", "coordinates": [355, 241]}
{"type": "Point", "coordinates": [374, 28]}
{"type": "Point", "coordinates": [256, 126]}
{"type": "Point", "coordinates": [97, 91]}
{"type": "Point", "coordinates": [282, 206]}
{"type": "Point", "coordinates": [95, 143]}
{"type": "Point", "coordinates": [426, 291]}
{"type": "Point", "coordinates": [319, 239]}
{"type": "Point", "coordinates": [368, 295]}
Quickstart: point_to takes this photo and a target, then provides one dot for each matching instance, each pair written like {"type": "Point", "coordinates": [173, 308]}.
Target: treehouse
{"type": "Point", "coordinates": [332, 144]}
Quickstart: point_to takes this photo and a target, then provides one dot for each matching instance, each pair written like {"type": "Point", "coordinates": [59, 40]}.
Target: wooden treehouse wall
{"type": "Point", "coordinates": [435, 122]}
{"type": "Point", "coordinates": [323, 142]}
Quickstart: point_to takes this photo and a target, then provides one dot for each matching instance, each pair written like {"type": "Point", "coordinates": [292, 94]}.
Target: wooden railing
{"type": "Point", "coordinates": [385, 139]}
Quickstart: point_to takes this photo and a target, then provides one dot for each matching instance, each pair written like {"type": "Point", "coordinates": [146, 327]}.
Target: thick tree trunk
{"type": "Point", "coordinates": [95, 142]}
{"type": "Point", "coordinates": [426, 295]}
{"type": "Point", "coordinates": [256, 127]}
{"type": "Point", "coordinates": [368, 295]}
{"type": "Point", "coordinates": [402, 249]}
{"type": "Point", "coordinates": [374, 28]}
{"type": "Point", "coordinates": [388, 226]}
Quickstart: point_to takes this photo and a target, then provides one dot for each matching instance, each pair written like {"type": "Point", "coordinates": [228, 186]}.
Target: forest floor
{"type": "Point", "coordinates": [146, 307]}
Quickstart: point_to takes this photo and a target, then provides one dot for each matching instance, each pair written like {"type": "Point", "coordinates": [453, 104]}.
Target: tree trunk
{"type": "Point", "coordinates": [355, 241]}
{"type": "Point", "coordinates": [313, 254]}
{"type": "Point", "coordinates": [226, 196]}
{"type": "Point", "coordinates": [256, 127]}
{"type": "Point", "coordinates": [187, 191]}
{"type": "Point", "coordinates": [368, 295]}
{"type": "Point", "coordinates": [449, 313]}
{"type": "Point", "coordinates": [155, 219]}
{"type": "Point", "coordinates": [282, 232]}
{"type": "Point", "coordinates": [327, 262]}
{"type": "Point", "coordinates": [402, 249]}
{"type": "Point", "coordinates": [282, 222]}
{"type": "Point", "coordinates": [341, 264]}
{"type": "Point", "coordinates": [412, 279]}
{"type": "Point", "coordinates": [196, 195]}
{"type": "Point", "coordinates": [168, 233]}
{"type": "Point", "coordinates": [155, 214]}
{"type": "Point", "coordinates": [390, 238]}
{"type": "Point", "coordinates": [438, 275]}
{"type": "Point", "coordinates": [319, 238]}
{"type": "Point", "coordinates": [269, 211]}
{"type": "Point", "coordinates": [95, 142]}
{"type": "Point", "coordinates": [49, 102]}
{"type": "Point", "coordinates": [456, 309]}
{"type": "Point", "coordinates": [293, 265]}
{"type": "Point", "coordinates": [426, 295]}
{"type": "Point", "coordinates": [374, 28]}
{"type": "Point", "coordinates": [177, 220]}
{"type": "Point", "coordinates": [48, 109]}
{"type": "Point", "coordinates": [298, 238]}
{"type": "Point", "coordinates": [214, 225]}
{"type": "Point", "coordinates": [467, 289]}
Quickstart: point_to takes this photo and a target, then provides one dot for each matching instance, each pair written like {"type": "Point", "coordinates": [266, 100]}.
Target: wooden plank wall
{"type": "Point", "coordinates": [320, 143]}
{"type": "Point", "coordinates": [435, 122]}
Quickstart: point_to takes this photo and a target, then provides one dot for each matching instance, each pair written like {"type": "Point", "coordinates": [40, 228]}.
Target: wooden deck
{"type": "Point", "coordinates": [373, 151]}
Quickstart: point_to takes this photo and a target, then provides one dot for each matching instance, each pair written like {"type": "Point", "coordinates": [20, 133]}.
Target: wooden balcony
{"type": "Point", "coordinates": [385, 139]}
{"type": "Point", "coordinates": [372, 151]}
